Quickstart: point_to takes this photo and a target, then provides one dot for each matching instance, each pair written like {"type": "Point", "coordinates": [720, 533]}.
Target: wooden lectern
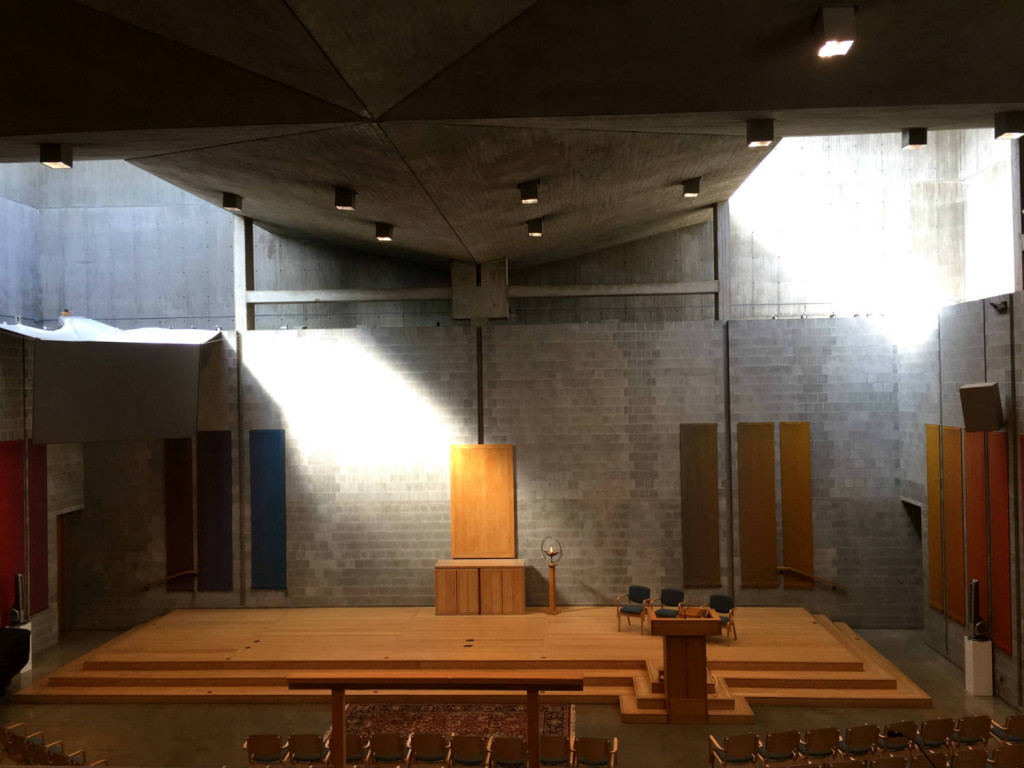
{"type": "Point", "coordinates": [686, 664]}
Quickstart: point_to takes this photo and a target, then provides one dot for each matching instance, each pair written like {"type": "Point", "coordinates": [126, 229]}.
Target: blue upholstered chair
{"type": "Point", "coordinates": [670, 600]}
{"type": "Point", "coordinates": [467, 750]}
{"type": "Point", "coordinates": [265, 749]}
{"type": "Point", "coordinates": [387, 748]}
{"type": "Point", "coordinates": [1010, 732]}
{"type": "Point", "coordinates": [506, 752]}
{"type": "Point", "coordinates": [635, 598]}
{"type": "Point", "coordinates": [725, 607]}
{"type": "Point", "coordinates": [739, 749]}
{"type": "Point", "coordinates": [307, 749]}
{"type": "Point", "coordinates": [427, 748]}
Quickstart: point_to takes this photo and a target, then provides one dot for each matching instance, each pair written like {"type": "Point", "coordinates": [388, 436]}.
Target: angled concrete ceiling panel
{"type": "Point", "coordinates": [287, 184]}
{"type": "Point", "coordinates": [388, 48]}
{"type": "Point", "coordinates": [69, 69]}
{"type": "Point", "coordinates": [263, 36]}
{"type": "Point", "coordinates": [597, 188]}
{"type": "Point", "coordinates": [587, 57]}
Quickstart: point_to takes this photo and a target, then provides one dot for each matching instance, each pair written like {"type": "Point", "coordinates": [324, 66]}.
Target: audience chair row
{"type": "Point", "coordinates": [428, 749]}
{"type": "Point", "coordinates": [942, 742]}
{"type": "Point", "coordinates": [25, 748]}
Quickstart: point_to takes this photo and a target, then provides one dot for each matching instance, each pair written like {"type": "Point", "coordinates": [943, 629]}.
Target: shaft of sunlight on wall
{"type": "Point", "coordinates": [339, 397]}
{"type": "Point", "coordinates": [858, 225]}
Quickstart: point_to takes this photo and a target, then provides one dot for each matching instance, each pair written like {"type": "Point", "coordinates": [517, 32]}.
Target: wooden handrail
{"type": "Point", "coordinates": [811, 577]}
{"type": "Point", "coordinates": [165, 579]}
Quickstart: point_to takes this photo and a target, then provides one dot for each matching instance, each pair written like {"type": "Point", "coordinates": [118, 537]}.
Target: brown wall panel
{"type": "Point", "coordinates": [976, 514]}
{"type": "Point", "coordinates": [934, 501]}
{"type": "Point", "coordinates": [698, 483]}
{"type": "Point", "coordinates": [483, 501]}
{"type": "Point", "coordinates": [758, 540]}
{"type": "Point", "coordinates": [999, 516]}
{"type": "Point", "coordinates": [797, 524]}
{"type": "Point", "coordinates": [953, 522]}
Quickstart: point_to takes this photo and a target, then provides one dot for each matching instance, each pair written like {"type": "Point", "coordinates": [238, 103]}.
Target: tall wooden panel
{"type": "Point", "coordinates": [797, 525]}
{"type": "Point", "coordinates": [934, 488]}
{"type": "Point", "coordinates": [213, 510]}
{"type": "Point", "coordinates": [483, 491]}
{"type": "Point", "coordinates": [698, 484]}
{"type": "Point", "coordinates": [268, 510]}
{"type": "Point", "coordinates": [953, 522]}
{"type": "Point", "coordinates": [976, 514]}
{"type": "Point", "coordinates": [758, 541]}
{"type": "Point", "coordinates": [179, 526]}
{"type": "Point", "coordinates": [999, 521]}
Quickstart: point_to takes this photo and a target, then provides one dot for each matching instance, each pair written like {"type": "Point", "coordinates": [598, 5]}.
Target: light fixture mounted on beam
{"type": "Point", "coordinates": [529, 191]}
{"type": "Point", "coordinates": [915, 138]}
{"type": "Point", "coordinates": [1009, 125]}
{"type": "Point", "coordinates": [760, 132]}
{"type": "Point", "coordinates": [691, 187]}
{"type": "Point", "coordinates": [535, 227]}
{"type": "Point", "coordinates": [231, 202]}
{"type": "Point", "coordinates": [56, 155]}
{"type": "Point", "coordinates": [344, 199]}
{"type": "Point", "coordinates": [385, 232]}
{"type": "Point", "coordinates": [834, 30]}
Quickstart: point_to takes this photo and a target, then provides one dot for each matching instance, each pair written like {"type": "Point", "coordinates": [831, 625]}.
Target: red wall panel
{"type": "Point", "coordinates": [999, 511]}
{"type": "Point", "coordinates": [976, 511]}
{"type": "Point", "coordinates": [12, 521]}
{"type": "Point", "coordinates": [38, 550]}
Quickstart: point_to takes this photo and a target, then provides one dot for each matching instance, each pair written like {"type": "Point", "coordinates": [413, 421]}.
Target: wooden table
{"type": "Point", "coordinates": [509, 680]}
{"type": "Point", "coordinates": [686, 662]}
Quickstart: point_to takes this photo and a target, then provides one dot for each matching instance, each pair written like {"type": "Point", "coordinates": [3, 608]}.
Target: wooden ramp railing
{"type": "Point", "coordinates": [165, 579]}
{"type": "Point", "coordinates": [811, 577]}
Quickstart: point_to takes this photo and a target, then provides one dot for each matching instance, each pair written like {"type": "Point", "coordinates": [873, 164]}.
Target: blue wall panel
{"type": "Point", "coordinates": [267, 489]}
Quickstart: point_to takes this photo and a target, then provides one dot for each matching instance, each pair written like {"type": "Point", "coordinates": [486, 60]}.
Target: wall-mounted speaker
{"type": "Point", "coordinates": [983, 410]}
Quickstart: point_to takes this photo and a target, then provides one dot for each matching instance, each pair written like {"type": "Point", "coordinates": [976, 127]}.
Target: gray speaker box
{"type": "Point", "coordinates": [983, 410]}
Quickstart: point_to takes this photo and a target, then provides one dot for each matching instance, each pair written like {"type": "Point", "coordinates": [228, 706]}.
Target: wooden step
{"type": "Point", "coordinates": [826, 697]}
{"type": "Point", "coordinates": [645, 697]}
{"type": "Point", "coordinates": [632, 713]}
{"type": "Point", "coordinates": [803, 679]}
{"type": "Point", "coordinates": [740, 714]}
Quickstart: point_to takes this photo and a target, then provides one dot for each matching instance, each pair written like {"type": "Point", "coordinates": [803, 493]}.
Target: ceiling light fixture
{"type": "Point", "coordinates": [385, 232]}
{"type": "Point", "coordinates": [344, 199]}
{"type": "Point", "coordinates": [760, 132]}
{"type": "Point", "coordinates": [691, 187]}
{"type": "Point", "coordinates": [535, 227]}
{"type": "Point", "coordinates": [528, 191]}
{"type": "Point", "coordinates": [55, 155]}
{"type": "Point", "coordinates": [833, 29]}
{"type": "Point", "coordinates": [231, 202]}
{"type": "Point", "coordinates": [1009, 125]}
{"type": "Point", "coordinates": [915, 138]}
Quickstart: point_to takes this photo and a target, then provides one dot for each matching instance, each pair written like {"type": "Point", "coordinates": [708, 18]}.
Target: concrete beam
{"type": "Point", "coordinates": [316, 296]}
{"type": "Point", "coordinates": [245, 274]}
{"type": "Point", "coordinates": [624, 289]}
{"type": "Point", "coordinates": [723, 306]}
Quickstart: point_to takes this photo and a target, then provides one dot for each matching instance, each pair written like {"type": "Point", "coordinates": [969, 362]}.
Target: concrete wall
{"type": "Point", "coordinates": [19, 242]}
{"type": "Point", "coordinates": [846, 223]}
{"type": "Point", "coordinates": [683, 255]}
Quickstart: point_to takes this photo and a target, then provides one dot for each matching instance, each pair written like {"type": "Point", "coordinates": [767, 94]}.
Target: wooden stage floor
{"type": "Point", "coordinates": [783, 656]}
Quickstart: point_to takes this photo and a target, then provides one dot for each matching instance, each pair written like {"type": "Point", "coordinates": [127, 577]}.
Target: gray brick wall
{"type": "Point", "coordinates": [12, 388]}
{"type": "Point", "coordinates": [594, 413]}
{"type": "Point", "coordinates": [841, 376]}
{"type": "Point", "coordinates": [367, 476]}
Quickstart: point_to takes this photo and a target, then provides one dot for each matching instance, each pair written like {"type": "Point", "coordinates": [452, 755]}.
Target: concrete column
{"type": "Point", "coordinates": [245, 313]}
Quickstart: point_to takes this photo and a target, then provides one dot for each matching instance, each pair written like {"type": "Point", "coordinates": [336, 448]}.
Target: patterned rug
{"type": "Point", "coordinates": [481, 719]}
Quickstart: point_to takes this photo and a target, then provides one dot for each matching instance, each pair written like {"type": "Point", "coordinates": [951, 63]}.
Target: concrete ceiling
{"type": "Point", "coordinates": [433, 111]}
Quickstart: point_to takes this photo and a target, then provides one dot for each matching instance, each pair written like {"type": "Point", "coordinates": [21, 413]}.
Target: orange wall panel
{"type": "Point", "coordinates": [953, 522]}
{"type": "Point", "coordinates": [758, 540]}
{"type": "Point", "coordinates": [483, 496]}
{"type": "Point", "coordinates": [797, 523]}
{"type": "Point", "coordinates": [934, 502]}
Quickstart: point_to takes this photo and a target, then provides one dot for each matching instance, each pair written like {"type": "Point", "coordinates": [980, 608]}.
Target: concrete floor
{"type": "Point", "coordinates": [211, 735]}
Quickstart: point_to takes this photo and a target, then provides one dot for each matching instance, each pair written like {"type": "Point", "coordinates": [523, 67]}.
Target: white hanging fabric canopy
{"type": "Point", "coordinates": [83, 329]}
